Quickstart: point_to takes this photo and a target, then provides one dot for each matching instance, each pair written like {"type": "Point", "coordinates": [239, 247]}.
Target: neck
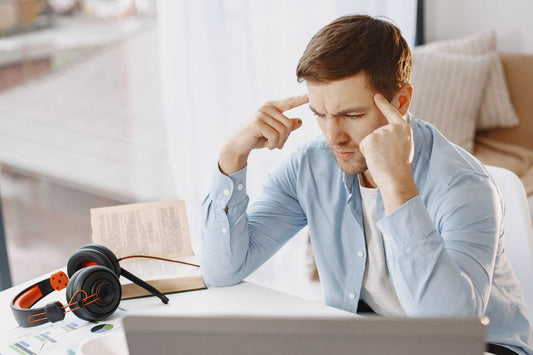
{"type": "Point", "coordinates": [366, 180]}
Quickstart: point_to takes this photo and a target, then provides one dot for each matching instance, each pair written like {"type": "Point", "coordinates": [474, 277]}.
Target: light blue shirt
{"type": "Point", "coordinates": [444, 247]}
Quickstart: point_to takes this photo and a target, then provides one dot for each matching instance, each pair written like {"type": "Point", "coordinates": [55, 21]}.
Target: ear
{"type": "Point", "coordinates": [402, 98]}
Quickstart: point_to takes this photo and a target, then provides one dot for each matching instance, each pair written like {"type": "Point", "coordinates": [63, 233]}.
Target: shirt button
{"type": "Point", "coordinates": [224, 231]}
{"type": "Point", "coordinates": [226, 192]}
{"type": "Point", "coordinates": [351, 295]}
{"type": "Point", "coordinates": [240, 187]}
{"type": "Point", "coordinates": [360, 254]}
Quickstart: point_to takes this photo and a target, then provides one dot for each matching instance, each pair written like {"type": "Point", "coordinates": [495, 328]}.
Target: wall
{"type": "Point", "coordinates": [511, 19]}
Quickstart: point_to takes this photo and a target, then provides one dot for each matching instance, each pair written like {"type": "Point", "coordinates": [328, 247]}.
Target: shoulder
{"type": "Point", "coordinates": [439, 160]}
{"type": "Point", "coordinates": [451, 181]}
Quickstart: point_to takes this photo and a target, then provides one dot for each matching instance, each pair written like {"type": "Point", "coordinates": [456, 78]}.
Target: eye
{"type": "Point", "coordinates": [354, 116]}
{"type": "Point", "coordinates": [319, 115]}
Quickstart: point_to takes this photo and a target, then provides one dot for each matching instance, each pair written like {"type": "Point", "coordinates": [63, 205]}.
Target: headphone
{"type": "Point", "coordinates": [93, 289]}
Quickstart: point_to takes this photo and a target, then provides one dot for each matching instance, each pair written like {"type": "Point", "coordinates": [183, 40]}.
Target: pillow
{"type": "Point", "coordinates": [447, 92]}
{"type": "Point", "coordinates": [496, 108]}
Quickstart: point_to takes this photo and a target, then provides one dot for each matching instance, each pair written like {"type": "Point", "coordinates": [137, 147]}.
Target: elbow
{"type": "Point", "coordinates": [219, 279]}
{"type": "Point", "coordinates": [219, 272]}
{"type": "Point", "coordinates": [463, 309]}
{"type": "Point", "coordinates": [463, 299]}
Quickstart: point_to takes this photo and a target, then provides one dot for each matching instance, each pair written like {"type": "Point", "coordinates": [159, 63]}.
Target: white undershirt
{"type": "Point", "coordinates": [377, 290]}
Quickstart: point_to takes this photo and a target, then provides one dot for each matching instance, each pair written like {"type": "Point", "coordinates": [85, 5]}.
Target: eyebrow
{"type": "Point", "coordinates": [355, 109]}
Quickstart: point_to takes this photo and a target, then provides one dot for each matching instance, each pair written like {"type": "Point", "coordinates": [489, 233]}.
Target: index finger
{"type": "Point", "coordinates": [390, 112]}
{"type": "Point", "coordinates": [289, 102]}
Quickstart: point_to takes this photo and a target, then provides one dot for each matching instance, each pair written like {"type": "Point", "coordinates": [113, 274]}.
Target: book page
{"type": "Point", "coordinates": [158, 269]}
{"type": "Point", "coordinates": [153, 228]}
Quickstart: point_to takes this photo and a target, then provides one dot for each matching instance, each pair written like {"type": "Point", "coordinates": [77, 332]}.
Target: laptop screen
{"type": "Point", "coordinates": [303, 335]}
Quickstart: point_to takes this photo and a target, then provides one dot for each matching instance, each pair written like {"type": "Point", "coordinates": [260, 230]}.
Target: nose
{"type": "Point", "coordinates": [335, 133]}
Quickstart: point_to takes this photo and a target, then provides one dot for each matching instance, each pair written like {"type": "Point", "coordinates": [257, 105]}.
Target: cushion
{"type": "Point", "coordinates": [519, 74]}
{"type": "Point", "coordinates": [447, 92]}
{"type": "Point", "coordinates": [496, 108]}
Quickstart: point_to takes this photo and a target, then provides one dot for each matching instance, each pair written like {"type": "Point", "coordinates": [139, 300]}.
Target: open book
{"type": "Point", "coordinates": [157, 229]}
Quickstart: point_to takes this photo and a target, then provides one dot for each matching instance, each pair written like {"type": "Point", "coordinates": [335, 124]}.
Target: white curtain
{"type": "Point", "coordinates": [220, 59]}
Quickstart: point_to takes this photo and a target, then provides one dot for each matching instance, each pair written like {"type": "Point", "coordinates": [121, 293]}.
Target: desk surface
{"type": "Point", "coordinates": [65, 337]}
{"type": "Point", "coordinates": [243, 299]}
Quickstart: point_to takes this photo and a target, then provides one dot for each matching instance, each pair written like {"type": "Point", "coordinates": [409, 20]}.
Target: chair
{"type": "Point", "coordinates": [5, 274]}
{"type": "Point", "coordinates": [518, 229]}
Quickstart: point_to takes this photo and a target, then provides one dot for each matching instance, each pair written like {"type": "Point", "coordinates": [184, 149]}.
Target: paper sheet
{"type": "Point", "coordinates": [63, 337]}
{"type": "Point", "coordinates": [154, 228]}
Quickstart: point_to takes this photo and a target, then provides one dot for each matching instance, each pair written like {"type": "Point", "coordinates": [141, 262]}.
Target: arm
{"type": "Point", "coordinates": [445, 271]}
{"type": "Point", "coordinates": [435, 272]}
{"type": "Point", "coordinates": [236, 243]}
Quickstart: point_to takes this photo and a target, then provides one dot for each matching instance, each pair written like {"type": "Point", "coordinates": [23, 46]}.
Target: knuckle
{"type": "Point", "coordinates": [262, 109]}
{"type": "Point", "coordinates": [273, 138]}
{"type": "Point", "coordinates": [371, 138]}
{"type": "Point", "coordinates": [287, 123]}
{"type": "Point", "coordinates": [266, 106]}
{"type": "Point", "coordinates": [259, 115]}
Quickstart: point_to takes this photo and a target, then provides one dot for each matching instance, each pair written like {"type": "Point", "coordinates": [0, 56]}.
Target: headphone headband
{"type": "Point", "coordinates": [22, 303]}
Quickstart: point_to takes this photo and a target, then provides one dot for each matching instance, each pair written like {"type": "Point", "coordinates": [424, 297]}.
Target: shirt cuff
{"type": "Point", "coordinates": [407, 226]}
{"type": "Point", "coordinates": [229, 190]}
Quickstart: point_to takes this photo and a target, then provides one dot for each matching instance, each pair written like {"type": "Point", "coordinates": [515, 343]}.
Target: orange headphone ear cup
{"type": "Point", "coordinates": [92, 255]}
{"type": "Point", "coordinates": [99, 282]}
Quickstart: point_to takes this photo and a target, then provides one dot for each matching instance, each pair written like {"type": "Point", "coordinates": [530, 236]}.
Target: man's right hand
{"type": "Point", "coordinates": [269, 127]}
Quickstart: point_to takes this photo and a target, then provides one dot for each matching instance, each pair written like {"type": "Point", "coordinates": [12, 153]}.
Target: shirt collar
{"type": "Point", "coordinates": [348, 180]}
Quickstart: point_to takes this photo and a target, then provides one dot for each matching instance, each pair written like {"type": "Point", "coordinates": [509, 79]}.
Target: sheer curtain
{"type": "Point", "coordinates": [220, 59]}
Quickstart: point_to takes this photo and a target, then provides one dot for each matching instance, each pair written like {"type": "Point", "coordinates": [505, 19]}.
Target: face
{"type": "Point", "coordinates": [346, 114]}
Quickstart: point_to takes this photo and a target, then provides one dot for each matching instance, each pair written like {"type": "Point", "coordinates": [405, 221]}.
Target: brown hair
{"type": "Point", "coordinates": [354, 44]}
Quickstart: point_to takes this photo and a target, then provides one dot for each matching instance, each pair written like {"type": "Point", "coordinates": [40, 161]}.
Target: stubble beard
{"type": "Point", "coordinates": [354, 165]}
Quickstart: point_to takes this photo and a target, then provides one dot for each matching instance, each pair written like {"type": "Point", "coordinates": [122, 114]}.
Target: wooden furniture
{"type": "Point", "coordinates": [519, 75]}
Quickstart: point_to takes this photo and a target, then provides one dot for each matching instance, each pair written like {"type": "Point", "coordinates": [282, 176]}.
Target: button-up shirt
{"type": "Point", "coordinates": [444, 248]}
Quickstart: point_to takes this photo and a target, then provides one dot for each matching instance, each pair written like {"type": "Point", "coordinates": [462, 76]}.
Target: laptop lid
{"type": "Point", "coordinates": [302, 335]}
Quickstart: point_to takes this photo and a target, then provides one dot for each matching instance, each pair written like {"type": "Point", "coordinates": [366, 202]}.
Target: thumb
{"type": "Point", "coordinates": [296, 123]}
{"type": "Point", "coordinates": [362, 146]}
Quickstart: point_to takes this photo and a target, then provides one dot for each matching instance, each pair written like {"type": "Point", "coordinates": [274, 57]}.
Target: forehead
{"type": "Point", "coordinates": [340, 94]}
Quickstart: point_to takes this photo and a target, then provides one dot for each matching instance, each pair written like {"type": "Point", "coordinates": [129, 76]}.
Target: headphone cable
{"type": "Point", "coordinates": [157, 258]}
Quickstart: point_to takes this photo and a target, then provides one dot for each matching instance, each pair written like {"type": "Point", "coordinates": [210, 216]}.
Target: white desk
{"type": "Point", "coordinates": [243, 299]}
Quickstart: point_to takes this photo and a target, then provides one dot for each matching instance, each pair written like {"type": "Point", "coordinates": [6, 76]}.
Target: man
{"type": "Point", "coordinates": [401, 220]}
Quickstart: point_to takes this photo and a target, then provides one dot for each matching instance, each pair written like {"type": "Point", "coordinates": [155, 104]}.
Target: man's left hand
{"type": "Point", "coordinates": [389, 154]}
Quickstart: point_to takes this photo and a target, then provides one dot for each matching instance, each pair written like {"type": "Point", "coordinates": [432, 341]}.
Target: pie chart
{"type": "Point", "coordinates": [101, 328]}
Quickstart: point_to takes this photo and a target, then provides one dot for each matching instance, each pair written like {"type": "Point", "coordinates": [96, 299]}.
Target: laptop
{"type": "Point", "coordinates": [302, 335]}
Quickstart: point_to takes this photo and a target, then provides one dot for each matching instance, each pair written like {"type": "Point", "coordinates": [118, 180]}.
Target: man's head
{"type": "Point", "coordinates": [358, 44]}
{"type": "Point", "coordinates": [344, 65]}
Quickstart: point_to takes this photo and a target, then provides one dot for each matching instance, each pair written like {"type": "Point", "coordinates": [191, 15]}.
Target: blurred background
{"type": "Point", "coordinates": [106, 102]}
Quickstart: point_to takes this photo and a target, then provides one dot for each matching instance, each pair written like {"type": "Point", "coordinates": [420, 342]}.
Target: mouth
{"type": "Point", "coordinates": [344, 155]}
